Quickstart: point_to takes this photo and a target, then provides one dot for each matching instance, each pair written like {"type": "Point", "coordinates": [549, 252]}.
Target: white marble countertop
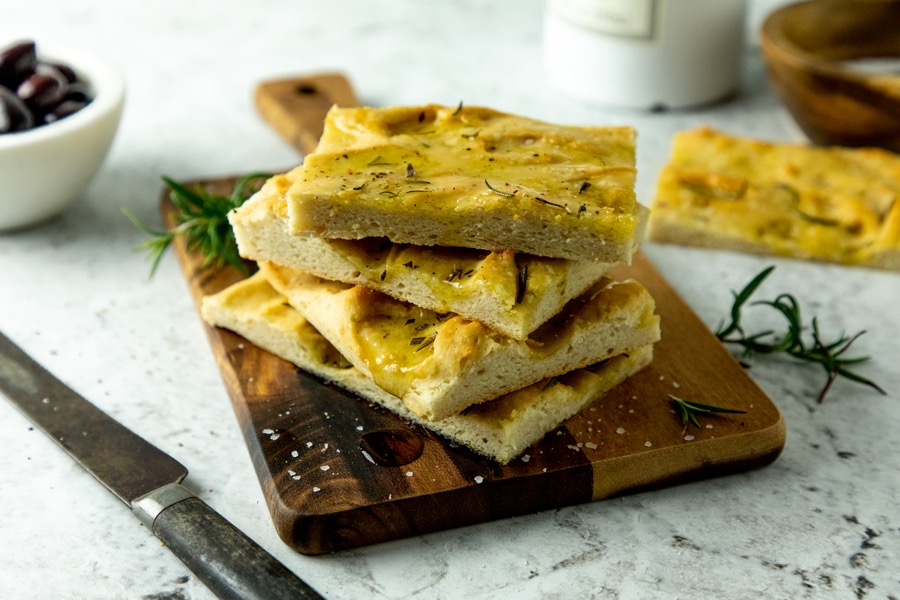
{"type": "Point", "coordinates": [821, 522]}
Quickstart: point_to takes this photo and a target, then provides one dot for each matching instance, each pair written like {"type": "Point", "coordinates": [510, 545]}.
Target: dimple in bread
{"type": "Point", "coordinates": [471, 177]}
{"type": "Point", "coordinates": [501, 429]}
{"type": "Point", "coordinates": [440, 364]}
{"type": "Point", "coordinates": [511, 293]}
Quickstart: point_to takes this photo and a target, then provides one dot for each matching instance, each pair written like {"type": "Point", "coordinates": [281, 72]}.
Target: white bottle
{"type": "Point", "coordinates": [646, 54]}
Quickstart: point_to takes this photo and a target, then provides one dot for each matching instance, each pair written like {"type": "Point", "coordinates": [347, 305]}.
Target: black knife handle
{"type": "Point", "coordinates": [230, 564]}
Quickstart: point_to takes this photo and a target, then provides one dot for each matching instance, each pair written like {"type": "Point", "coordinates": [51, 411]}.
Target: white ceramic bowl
{"type": "Point", "coordinates": [45, 169]}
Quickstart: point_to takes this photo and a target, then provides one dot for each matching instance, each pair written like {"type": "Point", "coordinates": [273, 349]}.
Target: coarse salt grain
{"type": "Point", "coordinates": [324, 467]}
{"type": "Point", "coordinates": [526, 457]}
{"type": "Point", "coordinates": [317, 489]}
{"type": "Point", "coordinates": [648, 443]}
{"type": "Point", "coordinates": [620, 430]}
{"type": "Point", "coordinates": [688, 438]}
{"type": "Point", "coordinates": [591, 445]}
{"type": "Point", "coordinates": [409, 473]}
{"type": "Point", "coordinates": [479, 479]}
{"type": "Point", "coordinates": [294, 453]}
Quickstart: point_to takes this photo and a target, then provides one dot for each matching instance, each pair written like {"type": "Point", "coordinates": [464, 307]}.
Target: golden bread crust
{"type": "Point", "coordinates": [501, 429]}
{"type": "Point", "coordinates": [471, 177]}
{"type": "Point", "coordinates": [828, 204]}
{"type": "Point", "coordinates": [511, 293]}
{"type": "Point", "coordinates": [440, 364]}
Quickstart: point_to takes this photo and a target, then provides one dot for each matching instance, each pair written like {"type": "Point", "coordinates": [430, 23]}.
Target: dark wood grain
{"type": "Point", "coordinates": [323, 493]}
{"type": "Point", "coordinates": [805, 46]}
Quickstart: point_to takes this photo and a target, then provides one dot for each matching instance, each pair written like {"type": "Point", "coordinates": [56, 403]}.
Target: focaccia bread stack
{"type": "Point", "coordinates": [450, 265]}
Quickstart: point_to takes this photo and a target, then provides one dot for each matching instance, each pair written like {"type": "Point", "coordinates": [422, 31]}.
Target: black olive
{"type": "Point", "coordinates": [63, 69]}
{"type": "Point", "coordinates": [16, 63]}
{"type": "Point", "coordinates": [64, 109]}
{"type": "Point", "coordinates": [14, 114]}
{"type": "Point", "coordinates": [41, 92]}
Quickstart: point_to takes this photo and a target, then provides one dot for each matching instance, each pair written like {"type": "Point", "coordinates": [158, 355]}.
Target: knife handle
{"type": "Point", "coordinates": [230, 564]}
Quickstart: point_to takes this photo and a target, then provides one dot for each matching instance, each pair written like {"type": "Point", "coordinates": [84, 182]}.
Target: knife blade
{"type": "Point", "coordinates": [149, 481]}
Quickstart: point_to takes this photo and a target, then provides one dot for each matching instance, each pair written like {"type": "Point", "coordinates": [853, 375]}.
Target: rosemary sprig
{"type": "Point", "coordinates": [829, 355]}
{"type": "Point", "coordinates": [688, 410]}
{"type": "Point", "coordinates": [521, 283]}
{"type": "Point", "coordinates": [499, 192]}
{"type": "Point", "coordinates": [423, 342]}
{"type": "Point", "coordinates": [202, 219]}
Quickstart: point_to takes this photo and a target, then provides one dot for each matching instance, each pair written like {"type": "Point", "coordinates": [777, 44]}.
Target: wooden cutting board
{"type": "Point", "coordinates": [307, 439]}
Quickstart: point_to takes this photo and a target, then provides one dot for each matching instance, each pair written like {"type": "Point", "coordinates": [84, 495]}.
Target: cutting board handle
{"type": "Point", "coordinates": [294, 106]}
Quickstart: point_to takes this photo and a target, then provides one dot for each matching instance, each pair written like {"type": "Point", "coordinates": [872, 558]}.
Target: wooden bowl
{"type": "Point", "coordinates": [807, 46]}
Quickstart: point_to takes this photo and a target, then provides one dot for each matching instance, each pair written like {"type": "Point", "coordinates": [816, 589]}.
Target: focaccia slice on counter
{"type": "Point", "coordinates": [511, 293]}
{"type": "Point", "coordinates": [440, 364]}
{"type": "Point", "coordinates": [501, 429]}
{"type": "Point", "coordinates": [471, 177]}
{"type": "Point", "coordinates": [819, 203]}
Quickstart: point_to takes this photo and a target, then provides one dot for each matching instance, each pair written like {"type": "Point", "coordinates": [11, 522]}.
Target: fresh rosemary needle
{"type": "Point", "coordinates": [829, 355]}
{"type": "Point", "coordinates": [201, 219]}
{"type": "Point", "coordinates": [689, 410]}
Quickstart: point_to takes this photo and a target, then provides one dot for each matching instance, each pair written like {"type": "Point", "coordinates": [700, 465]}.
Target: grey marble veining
{"type": "Point", "coordinates": [821, 522]}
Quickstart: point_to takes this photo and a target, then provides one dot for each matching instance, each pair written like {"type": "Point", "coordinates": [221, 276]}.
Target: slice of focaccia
{"type": "Point", "coordinates": [471, 177]}
{"type": "Point", "coordinates": [501, 429]}
{"type": "Point", "coordinates": [512, 293]}
{"type": "Point", "coordinates": [820, 203]}
{"type": "Point", "coordinates": [440, 364]}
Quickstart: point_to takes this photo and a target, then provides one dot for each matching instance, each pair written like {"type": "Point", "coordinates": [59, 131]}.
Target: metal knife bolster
{"type": "Point", "coordinates": [149, 506]}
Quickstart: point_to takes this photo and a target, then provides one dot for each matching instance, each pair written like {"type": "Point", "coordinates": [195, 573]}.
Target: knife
{"type": "Point", "coordinates": [148, 480]}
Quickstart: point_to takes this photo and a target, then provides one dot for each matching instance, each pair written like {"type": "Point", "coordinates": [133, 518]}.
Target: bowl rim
{"type": "Point", "coordinates": [104, 77]}
{"type": "Point", "coordinates": [774, 39]}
